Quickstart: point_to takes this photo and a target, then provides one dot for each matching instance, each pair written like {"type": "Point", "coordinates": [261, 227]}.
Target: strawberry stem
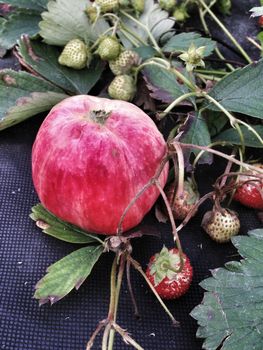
{"type": "Point", "coordinates": [128, 274]}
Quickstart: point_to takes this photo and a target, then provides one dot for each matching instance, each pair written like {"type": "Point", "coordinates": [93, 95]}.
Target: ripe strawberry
{"type": "Point", "coordinates": [167, 283]}
{"type": "Point", "coordinates": [138, 6]}
{"type": "Point", "coordinates": [221, 225]}
{"type": "Point", "coordinates": [107, 5]}
{"type": "Point", "coordinates": [183, 205]}
{"type": "Point", "coordinates": [260, 21]}
{"type": "Point", "coordinates": [167, 5]}
{"type": "Point", "coordinates": [122, 87]}
{"type": "Point", "coordinates": [109, 48]}
{"type": "Point", "coordinates": [75, 55]}
{"type": "Point", "coordinates": [124, 63]}
{"type": "Point", "coordinates": [249, 193]}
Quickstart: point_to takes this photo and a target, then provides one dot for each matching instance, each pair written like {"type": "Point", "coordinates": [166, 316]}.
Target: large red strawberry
{"type": "Point", "coordinates": [161, 273]}
{"type": "Point", "coordinates": [250, 191]}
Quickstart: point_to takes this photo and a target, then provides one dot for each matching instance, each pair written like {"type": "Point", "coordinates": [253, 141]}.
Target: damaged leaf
{"type": "Point", "coordinates": [66, 274]}
{"type": "Point", "coordinates": [66, 20]}
{"type": "Point", "coordinates": [23, 95]}
{"type": "Point", "coordinates": [59, 229]}
{"type": "Point", "coordinates": [43, 59]}
{"type": "Point", "coordinates": [231, 313]}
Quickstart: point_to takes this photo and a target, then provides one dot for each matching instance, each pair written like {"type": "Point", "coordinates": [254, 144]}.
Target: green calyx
{"type": "Point", "coordinates": [180, 14]}
{"type": "Point", "coordinates": [164, 265]}
{"type": "Point", "coordinates": [167, 5]}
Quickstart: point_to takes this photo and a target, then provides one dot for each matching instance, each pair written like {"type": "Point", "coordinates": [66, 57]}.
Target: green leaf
{"type": "Point", "coordinates": [66, 20]}
{"type": "Point", "coordinates": [163, 84]}
{"type": "Point", "coordinates": [231, 313]}
{"type": "Point", "coordinates": [145, 52]}
{"type": "Point", "coordinates": [250, 140]}
{"type": "Point", "coordinates": [38, 5]}
{"type": "Point", "coordinates": [66, 274]}
{"type": "Point", "coordinates": [182, 42]}
{"type": "Point", "coordinates": [18, 23]}
{"type": "Point", "coordinates": [195, 131]}
{"type": "Point", "coordinates": [43, 59]}
{"type": "Point", "coordinates": [256, 11]}
{"type": "Point", "coordinates": [241, 91]}
{"type": "Point", "coordinates": [153, 17]}
{"type": "Point", "coordinates": [216, 120]}
{"type": "Point", "coordinates": [59, 229]}
{"type": "Point", "coordinates": [23, 95]}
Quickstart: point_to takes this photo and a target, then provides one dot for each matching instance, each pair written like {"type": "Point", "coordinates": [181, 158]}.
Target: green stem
{"type": "Point", "coordinates": [127, 29]}
{"type": "Point", "coordinates": [205, 77]}
{"type": "Point", "coordinates": [151, 37]}
{"type": "Point", "coordinates": [226, 31]}
{"type": "Point", "coordinates": [253, 42]}
{"type": "Point", "coordinates": [175, 103]}
{"type": "Point", "coordinates": [218, 143]}
{"type": "Point", "coordinates": [211, 72]}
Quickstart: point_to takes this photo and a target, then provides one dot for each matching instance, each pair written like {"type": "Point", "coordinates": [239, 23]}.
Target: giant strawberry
{"type": "Point", "coordinates": [90, 158]}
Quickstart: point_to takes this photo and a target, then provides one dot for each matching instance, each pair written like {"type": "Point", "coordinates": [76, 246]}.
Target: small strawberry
{"type": "Point", "coordinates": [107, 5]}
{"type": "Point", "coordinates": [124, 63]}
{"type": "Point", "coordinates": [109, 48]}
{"type": "Point", "coordinates": [180, 14]}
{"type": "Point", "coordinates": [138, 6]}
{"type": "Point", "coordinates": [260, 21]}
{"type": "Point", "coordinates": [160, 272]}
{"type": "Point", "coordinates": [92, 13]}
{"type": "Point", "coordinates": [224, 6]}
{"type": "Point", "coordinates": [75, 55]}
{"type": "Point", "coordinates": [122, 87]}
{"type": "Point", "coordinates": [221, 225]}
{"type": "Point", "coordinates": [181, 206]}
{"type": "Point", "coordinates": [167, 5]}
{"type": "Point", "coordinates": [248, 193]}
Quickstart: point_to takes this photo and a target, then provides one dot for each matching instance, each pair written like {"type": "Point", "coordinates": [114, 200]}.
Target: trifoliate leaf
{"type": "Point", "coordinates": [23, 95]}
{"type": "Point", "coordinates": [250, 139]}
{"type": "Point", "coordinates": [18, 23]}
{"type": "Point", "coordinates": [38, 5]}
{"type": "Point", "coordinates": [182, 42]}
{"type": "Point", "coordinates": [43, 59]}
{"type": "Point", "coordinates": [66, 274]}
{"type": "Point", "coordinates": [230, 316]}
{"type": "Point", "coordinates": [153, 17]}
{"type": "Point", "coordinates": [59, 229]}
{"type": "Point", "coordinates": [66, 20]}
{"type": "Point", "coordinates": [163, 84]}
{"type": "Point", "coordinates": [241, 91]}
{"type": "Point", "coordinates": [195, 131]}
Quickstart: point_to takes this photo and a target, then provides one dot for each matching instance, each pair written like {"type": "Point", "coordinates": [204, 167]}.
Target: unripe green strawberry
{"type": "Point", "coordinates": [75, 55]}
{"type": "Point", "coordinates": [124, 3]}
{"type": "Point", "coordinates": [109, 48]}
{"type": "Point", "coordinates": [180, 14]}
{"type": "Point", "coordinates": [92, 13]}
{"type": "Point", "coordinates": [122, 87]}
{"type": "Point", "coordinates": [107, 5]}
{"type": "Point", "coordinates": [124, 63]}
{"type": "Point", "coordinates": [167, 5]}
{"type": "Point", "coordinates": [138, 6]}
{"type": "Point", "coordinates": [221, 225]}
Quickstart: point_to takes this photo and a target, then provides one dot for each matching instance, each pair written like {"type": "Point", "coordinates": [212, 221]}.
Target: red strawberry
{"type": "Point", "coordinates": [183, 205]}
{"type": "Point", "coordinates": [221, 225]}
{"type": "Point", "coordinates": [168, 283]}
{"type": "Point", "coordinates": [260, 21]}
{"type": "Point", "coordinates": [250, 193]}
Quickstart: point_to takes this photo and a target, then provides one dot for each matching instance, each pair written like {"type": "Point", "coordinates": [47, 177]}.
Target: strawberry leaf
{"type": "Point", "coordinates": [250, 140]}
{"type": "Point", "coordinates": [20, 22]}
{"type": "Point", "coordinates": [38, 5]}
{"type": "Point", "coordinates": [241, 91]}
{"type": "Point", "coordinates": [163, 84]}
{"type": "Point", "coordinates": [66, 20]}
{"type": "Point", "coordinates": [256, 11]}
{"type": "Point", "coordinates": [153, 17]}
{"type": "Point", "coordinates": [43, 59]}
{"type": "Point", "coordinates": [66, 274]}
{"type": "Point", "coordinates": [23, 95]}
{"type": "Point", "coordinates": [230, 315]}
{"type": "Point", "coordinates": [59, 229]}
{"type": "Point", "coordinates": [182, 42]}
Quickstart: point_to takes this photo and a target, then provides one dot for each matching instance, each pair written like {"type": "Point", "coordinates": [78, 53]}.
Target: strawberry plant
{"type": "Point", "coordinates": [100, 163]}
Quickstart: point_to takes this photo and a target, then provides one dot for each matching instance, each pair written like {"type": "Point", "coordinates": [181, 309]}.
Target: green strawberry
{"type": "Point", "coordinates": [75, 55]}
{"type": "Point", "coordinates": [124, 63]}
{"type": "Point", "coordinates": [109, 48]}
{"type": "Point", "coordinates": [92, 13]}
{"type": "Point", "coordinates": [122, 87]}
{"type": "Point", "coordinates": [221, 225]}
{"type": "Point", "coordinates": [107, 5]}
{"type": "Point", "coordinates": [167, 5]}
{"type": "Point", "coordinates": [124, 3]}
{"type": "Point", "coordinates": [180, 14]}
{"type": "Point", "coordinates": [138, 6]}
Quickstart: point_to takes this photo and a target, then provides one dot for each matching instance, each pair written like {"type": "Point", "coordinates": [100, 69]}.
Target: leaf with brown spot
{"type": "Point", "coordinates": [23, 95]}
{"type": "Point", "coordinates": [67, 274]}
